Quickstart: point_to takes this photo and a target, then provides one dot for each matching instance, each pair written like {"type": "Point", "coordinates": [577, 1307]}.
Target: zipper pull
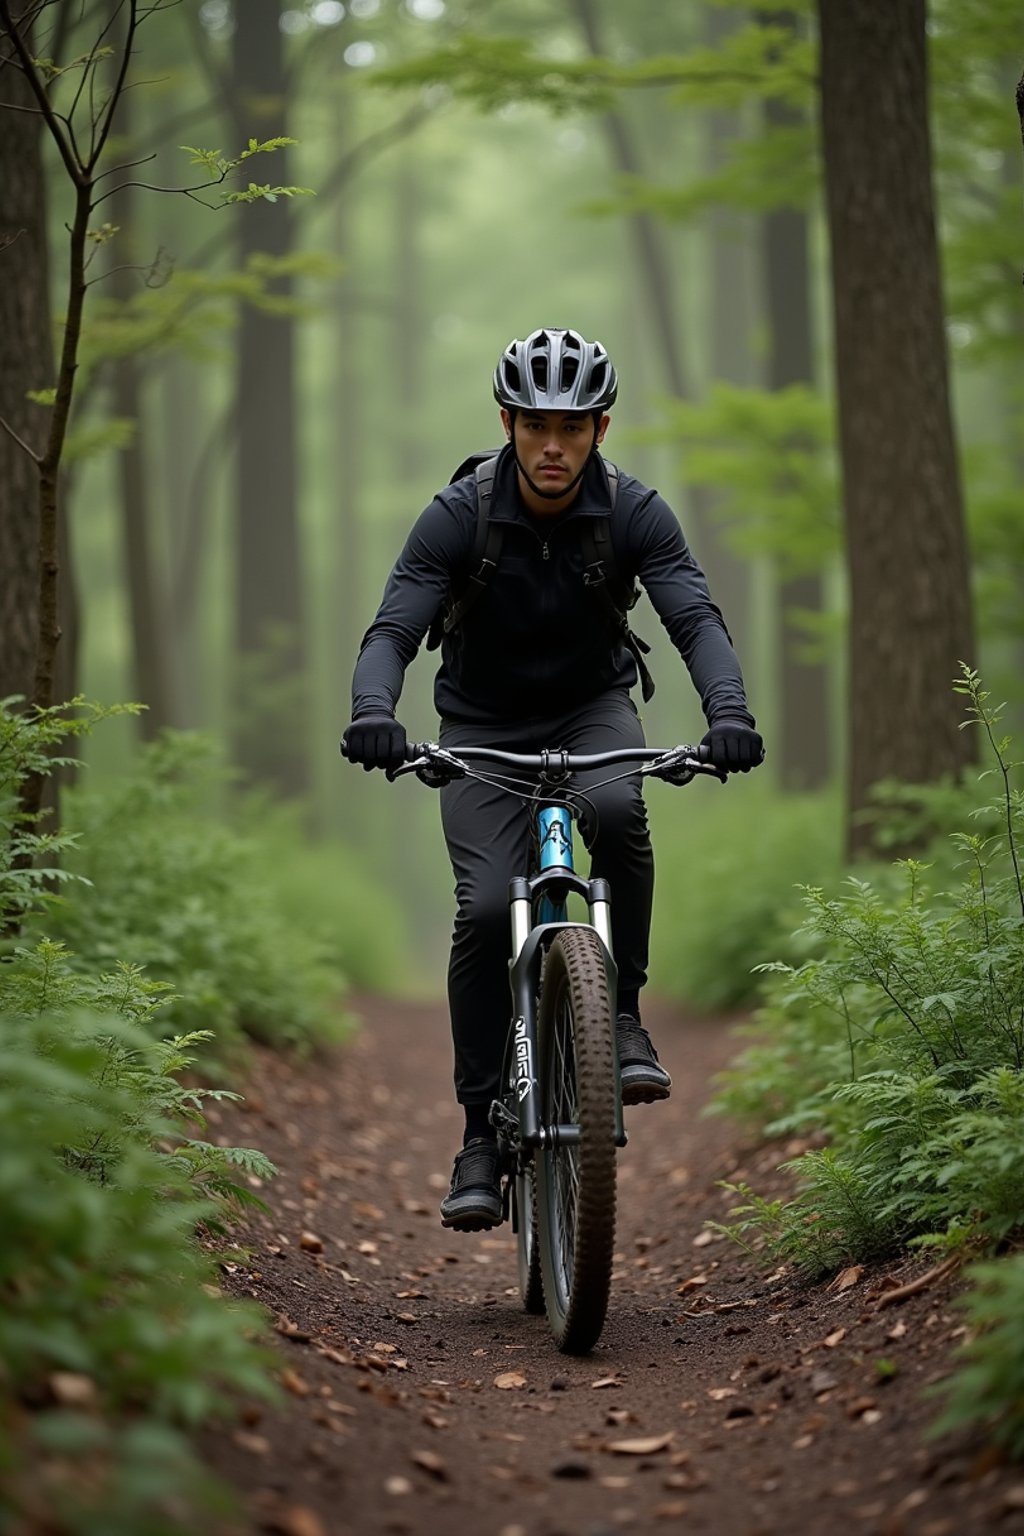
{"type": "Point", "coordinates": [546, 553]}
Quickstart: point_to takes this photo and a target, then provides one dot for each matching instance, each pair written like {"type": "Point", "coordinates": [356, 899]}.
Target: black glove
{"type": "Point", "coordinates": [376, 741]}
{"type": "Point", "coordinates": [734, 746]}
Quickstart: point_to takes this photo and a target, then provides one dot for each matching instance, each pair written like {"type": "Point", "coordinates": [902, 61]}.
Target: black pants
{"type": "Point", "coordinates": [488, 836]}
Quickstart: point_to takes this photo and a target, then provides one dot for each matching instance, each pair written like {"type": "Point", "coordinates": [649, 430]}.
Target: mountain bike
{"type": "Point", "coordinates": [559, 1116]}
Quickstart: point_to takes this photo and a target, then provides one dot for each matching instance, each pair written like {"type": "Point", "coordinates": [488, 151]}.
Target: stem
{"type": "Point", "coordinates": [19, 440]}
{"type": "Point", "coordinates": [71, 163]}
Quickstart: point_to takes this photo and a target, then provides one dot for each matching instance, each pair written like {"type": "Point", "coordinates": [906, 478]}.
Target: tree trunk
{"type": "Point", "coordinates": [658, 290]}
{"type": "Point", "coordinates": [269, 613]}
{"type": "Point", "coordinates": [347, 468]}
{"type": "Point", "coordinates": [151, 680]}
{"type": "Point", "coordinates": [804, 735]}
{"type": "Point", "coordinates": [408, 353]}
{"type": "Point", "coordinates": [910, 619]}
{"type": "Point", "coordinates": [729, 281]}
{"type": "Point", "coordinates": [26, 362]}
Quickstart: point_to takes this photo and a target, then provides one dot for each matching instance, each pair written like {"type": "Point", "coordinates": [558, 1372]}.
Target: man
{"type": "Point", "coordinates": [534, 657]}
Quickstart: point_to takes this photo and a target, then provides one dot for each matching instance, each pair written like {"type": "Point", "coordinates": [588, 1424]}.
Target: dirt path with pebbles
{"type": "Point", "coordinates": [421, 1399]}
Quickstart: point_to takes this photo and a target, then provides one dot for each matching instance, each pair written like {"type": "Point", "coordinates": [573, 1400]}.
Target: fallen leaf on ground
{"type": "Point", "coordinates": [897, 1330]}
{"type": "Point", "coordinates": [718, 1393]}
{"type": "Point", "coordinates": [311, 1243]}
{"type": "Point", "coordinates": [258, 1445]}
{"type": "Point", "coordinates": [509, 1380]}
{"type": "Point", "coordinates": [432, 1463]}
{"type": "Point", "coordinates": [846, 1278]}
{"type": "Point", "coordinates": [72, 1390]}
{"type": "Point", "coordinates": [703, 1238]}
{"type": "Point", "coordinates": [293, 1383]}
{"type": "Point", "coordinates": [616, 1417]}
{"type": "Point", "coordinates": [833, 1339]}
{"type": "Point", "coordinates": [337, 1356]}
{"type": "Point", "coordinates": [645, 1447]}
{"type": "Point", "coordinates": [606, 1381]}
{"type": "Point", "coordinates": [298, 1521]}
{"type": "Point", "coordinates": [291, 1330]}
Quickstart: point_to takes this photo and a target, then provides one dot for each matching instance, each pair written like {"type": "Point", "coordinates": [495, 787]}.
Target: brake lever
{"type": "Point", "coordinates": [391, 774]}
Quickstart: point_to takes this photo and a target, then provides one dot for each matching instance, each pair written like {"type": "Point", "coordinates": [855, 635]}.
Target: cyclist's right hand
{"type": "Point", "coordinates": [376, 741]}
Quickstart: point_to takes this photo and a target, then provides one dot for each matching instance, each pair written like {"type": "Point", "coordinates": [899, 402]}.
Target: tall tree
{"type": "Point", "coordinates": [659, 289]}
{"type": "Point", "coordinates": [269, 608]}
{"type": "Point", "coordinates": [731, 316]}
{"type": "Point", "coordinates": [151, 667]}
{"type": "Point", "coordinates": [803, 731]}
{"type": "Point", "coordinates": [26, 363]}
{"type": "Point", "coordinates": [911, 619]}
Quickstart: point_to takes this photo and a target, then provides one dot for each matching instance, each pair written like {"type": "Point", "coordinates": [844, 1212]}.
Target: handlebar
{"type": "Point", "coordinates": [436, 765]}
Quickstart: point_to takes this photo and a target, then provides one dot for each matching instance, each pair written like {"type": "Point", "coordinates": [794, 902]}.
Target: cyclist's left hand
{"type": "Point", "coordinates": [735, 747]}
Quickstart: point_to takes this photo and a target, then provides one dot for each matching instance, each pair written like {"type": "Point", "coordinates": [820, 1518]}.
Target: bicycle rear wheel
{"type": "Point", "coordinates": [576, 1181]}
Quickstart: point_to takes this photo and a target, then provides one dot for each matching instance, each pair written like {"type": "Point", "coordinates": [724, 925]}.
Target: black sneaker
{"type": "Point", "coordinates": [474, 1201]}
{"type": "Point", "coordinates": [643, 1079]}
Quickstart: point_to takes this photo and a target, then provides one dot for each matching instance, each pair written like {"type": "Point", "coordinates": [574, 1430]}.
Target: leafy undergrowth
{"type": "Point", "coordinates": [115, 1343]}
{"type": "Point", "coordinates": [176, 888]}
{"type": "Point", "coordinates": [899, 1049]}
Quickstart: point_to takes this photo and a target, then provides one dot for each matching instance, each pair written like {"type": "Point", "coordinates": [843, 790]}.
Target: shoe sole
{"type": "Point", "coordinates": [645, 1093]}
{"type": "Point", "coordinates": [470, 1223]}
{"type": "Point", "coordinates": [472, 1218]}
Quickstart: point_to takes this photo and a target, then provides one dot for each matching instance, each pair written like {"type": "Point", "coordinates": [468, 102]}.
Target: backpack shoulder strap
{"type": "Point", "coordinates": [487, 544]}
{"type": "Point", "coordinates": [602, 576]}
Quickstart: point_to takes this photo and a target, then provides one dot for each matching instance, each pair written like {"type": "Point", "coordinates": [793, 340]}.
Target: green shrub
{"type": "Point", "coordinates": [114, 1342]}
{"type": "Point", "coordinates": [900, 1044]}
{"type": "Point", "coordinates": [177, 889]}
{"type": "Point", "coordinates": [30, 856]}
{"type": "Point", "coordinates": [726, 894]}
{"type": "Point", "coordinates": [988, 1388]}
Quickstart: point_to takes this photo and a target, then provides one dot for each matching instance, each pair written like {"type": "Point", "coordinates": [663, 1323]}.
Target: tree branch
{"type": "Point", "coordinates": [72, 164]}
{"type": "Point", "coordinates": [35, 457]}
{"type": "Point", "coordinates": [115, 96]}
{"type": "Point", "coordinates": [382, 138]}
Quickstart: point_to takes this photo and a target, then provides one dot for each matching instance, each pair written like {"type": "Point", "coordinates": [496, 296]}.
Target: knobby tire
{"type": "Point", "coordinates": [576, 1184]}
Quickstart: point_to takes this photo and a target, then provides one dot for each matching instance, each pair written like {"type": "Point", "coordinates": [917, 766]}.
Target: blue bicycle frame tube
{"type": "Point", "coordinates": [554, 825]}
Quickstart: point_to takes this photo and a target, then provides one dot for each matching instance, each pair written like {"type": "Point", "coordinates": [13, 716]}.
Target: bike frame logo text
{"type": "Point", "coordinates": [525, 1080]}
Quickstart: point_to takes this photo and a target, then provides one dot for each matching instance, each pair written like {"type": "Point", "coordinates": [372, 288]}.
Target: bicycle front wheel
{"type": "Point", "coordinates": [576, 1179]}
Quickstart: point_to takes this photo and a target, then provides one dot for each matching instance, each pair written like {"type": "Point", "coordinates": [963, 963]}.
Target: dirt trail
{"type": "Point", "coordinates": [421, 1399]}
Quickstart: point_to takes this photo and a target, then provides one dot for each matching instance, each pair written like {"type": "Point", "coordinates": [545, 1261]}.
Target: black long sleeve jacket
{"type": "Point", "coordinates": [538, 642]}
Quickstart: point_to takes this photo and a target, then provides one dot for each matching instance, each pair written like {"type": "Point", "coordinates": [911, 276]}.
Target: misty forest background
{"type": "Point", "coordinates": [270, 392]}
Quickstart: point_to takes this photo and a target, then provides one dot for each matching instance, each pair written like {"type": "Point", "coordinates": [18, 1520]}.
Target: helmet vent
{"type": "Point", "coordinates": [555, 370]}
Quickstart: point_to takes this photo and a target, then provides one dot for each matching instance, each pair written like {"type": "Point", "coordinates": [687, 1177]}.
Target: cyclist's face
{"type": "Point", "coordinates": [552, 447]}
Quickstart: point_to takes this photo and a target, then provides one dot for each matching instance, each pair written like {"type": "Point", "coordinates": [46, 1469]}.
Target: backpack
{"type": "Point", "coordinates": [600, 573]}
